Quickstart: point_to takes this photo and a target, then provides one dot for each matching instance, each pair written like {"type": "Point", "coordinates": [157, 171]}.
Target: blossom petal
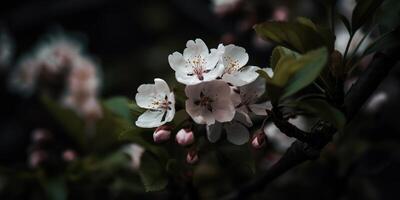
{"type": "Point", "coordinates": [185, 79]}
{"type": "Point", "coordinates": [214, 132]}
{"type": "Point", "coordinates": [177, 62]}
{"type": "Point", "coordinates": [243, 118]}
{"type": "Point", "coordinates": [148, 92]}
{"type": "Point", "coordinates": [161, 87]}
{"type": "Point", "coordinates": [193, 91]}
{"type": "Point", "coordinates": [218, 89]}
{"type": "Point", "coordinates": [195, 48]}
{"type": "Point", "coordinates": [171, 112]}
{"type": "Point", "coordinates": [242, 77]}
{"type": "Point", "coordinates": [260, 109]}
{"type": "Point", "coordinates": [235, 54]}
{"type": "Point", "coordinates": [144, 97]}
{"type": "Point", "coordinates": [223, 111]}
{"type": "Point", "coordinates": [236, 133]}
{"type": "Point", "coordinates": [199, 114]}
{"type": "Point", "coordinates": [150, 119]}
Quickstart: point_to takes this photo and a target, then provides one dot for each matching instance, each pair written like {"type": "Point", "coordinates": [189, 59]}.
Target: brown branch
{"type": "Point", "coordinates": [308, 145]}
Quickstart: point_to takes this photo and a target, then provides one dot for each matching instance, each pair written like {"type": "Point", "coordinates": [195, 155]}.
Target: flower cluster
{"type": "Point", "coordinates": [222, 92]}
{"type": "Point", "coordinates": [58, 56]}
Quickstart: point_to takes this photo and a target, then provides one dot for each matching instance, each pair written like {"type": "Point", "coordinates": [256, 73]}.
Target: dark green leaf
{"type": "Point", "coordinates": [293, 35]}
{"type": "Point", "coordinates": [293, 74]}
{"type": "Point", "coordinates": [280, 52]}
{"type": "Point", "coordinates": [72, 123]}
{"type": "Point", "coordinates": [55, 188]}
{"type": "Point", "coordinates": [119, 106]}
{"type": "Point", "coordinates": [363, 11]}
{"type": "Point", "coordinates": [152, 174]}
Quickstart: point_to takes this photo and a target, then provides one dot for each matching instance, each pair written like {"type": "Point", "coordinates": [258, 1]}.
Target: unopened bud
{"type": "Point", "coordinates": [185, 137]}
{"type": "Point", "coordinates": [259, 139]}
{"type": "Point", "coordinates": [40, 135]}
{"type": "Point", "coordinates": [192, 157]}
{"type": "Point", "coordinates": [36, 158]}
{"type": "Point", "coordinates": [162, 133]}
{"type": "Point", "coordinates": [69, 155]}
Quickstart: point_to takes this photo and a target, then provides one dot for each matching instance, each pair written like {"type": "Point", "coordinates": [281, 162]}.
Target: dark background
{"type": "Point", "coordinates": [132, 40]}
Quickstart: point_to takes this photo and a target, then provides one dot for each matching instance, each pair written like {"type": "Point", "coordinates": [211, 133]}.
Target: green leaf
{"type": "Point", "coordinates": [55, 188]}
{"type": "Point", "coordinates": [107, 130]}
{"type": "Point", "coordinates": [363, 11]}
{"type": "Point", "coordinates": [71, 122]}
{"type": "Point", "coordinates": [152, 174]}
{"type": "Point", "coordinates": [293, 74]}
{"type": "Point", "coordinates": [280, 52]}
{"type": "Point", "coordinates": [324, 110]}
{"type": "Point", "coordinates": [293, 35]}
{"type": "Point", "coordinates": [120, 106]}
{"type": "Point", "coordinates": [102, 134]}
{"type": "Point", "coordinates": [385, 41]}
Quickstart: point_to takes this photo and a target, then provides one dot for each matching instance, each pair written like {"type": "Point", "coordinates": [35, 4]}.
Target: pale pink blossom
{"type": "Point", "coordinates": [209, 102]}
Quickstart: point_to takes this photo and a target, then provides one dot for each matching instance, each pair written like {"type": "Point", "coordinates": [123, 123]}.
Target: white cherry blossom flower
{"type": "Point", "coordinates": [236, 130]}
{"type": "Point", "coordinates": [209, 102]}
{"type": "Point", "coordinates": [234, 59]}
{"type": "Point", "coordinates": [159, 102]}
{"type": "Point", "coordinates": [196, 64]}
{"type": "Point", "coordinates": [249, 95]}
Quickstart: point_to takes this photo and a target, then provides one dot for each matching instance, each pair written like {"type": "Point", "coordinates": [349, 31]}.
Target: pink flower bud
{"type": "Point", "coordinates": [69, 155]}
{"type": "Point", "coordinates": [185, 137]}
{"type": "Point", "coordinates": [259, 139]}
{"type": "Point", "coordinates": [36, 158]}
{"type": "Point", "coordinates": [192, 157]}
{"type": "Point", "coordinates": [162, 133]}
{"type": "Point", "coordinates": [40, 135]}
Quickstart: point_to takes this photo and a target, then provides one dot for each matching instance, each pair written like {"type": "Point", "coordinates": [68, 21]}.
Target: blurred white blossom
{"type": "Point", "coordinates": [222, 7]}
{"type": "Point", "coordinates": [57, 56]}
{"type": "Point", "coordinates": [6, 49]}
{"type": "Point", "coordinates": [135, 153]}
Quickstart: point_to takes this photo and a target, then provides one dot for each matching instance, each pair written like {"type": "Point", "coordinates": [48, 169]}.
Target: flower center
{"type": "Point", "coordinates": [198, 68]}
{"type": "Point", "coordinates": [204, 101]}
{"type": "Point", "coordinates": [233, 65]}
{"type": "Point", "coordinates": [162, 104]}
